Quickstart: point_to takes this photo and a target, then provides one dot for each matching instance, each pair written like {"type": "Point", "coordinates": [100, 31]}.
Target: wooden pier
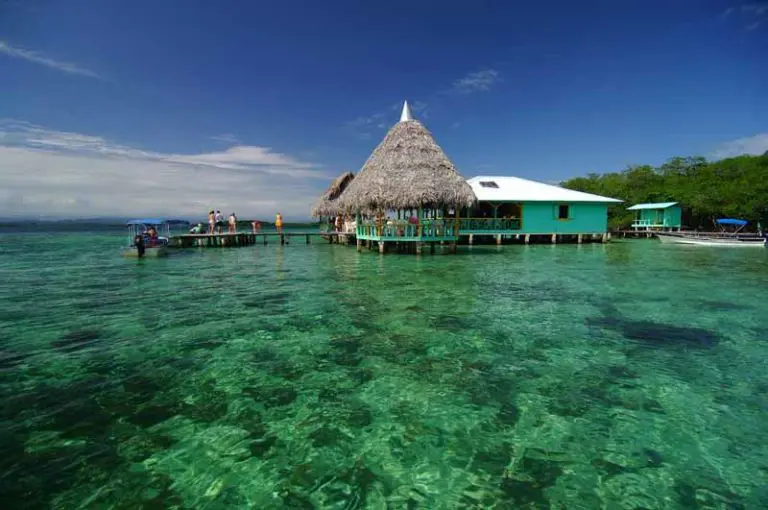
{"type": "Point", "coordinates": [230, 240]}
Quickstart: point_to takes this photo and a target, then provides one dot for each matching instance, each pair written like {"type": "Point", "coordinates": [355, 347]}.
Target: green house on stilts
{"type": "Point", "coordinates": [659, 216]}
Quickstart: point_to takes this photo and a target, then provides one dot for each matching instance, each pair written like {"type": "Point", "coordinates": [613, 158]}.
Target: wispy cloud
{"type": "Point", "coordinates": [50, 172]}
{"type": "Point", "coordinates": [753, 15]}
{"type": "Point", "coordinates": [225, 138]}
{"type": "Point", "coordinates": [758, 9]}
{"type": "Point", "coordinates": [754, 145]}
{"type": "Point", "coordinates": [478, 81]}
{"type": "Point", "coordinates": [365, 126]}
{"type": "Point", "coordinates": [38, 58]}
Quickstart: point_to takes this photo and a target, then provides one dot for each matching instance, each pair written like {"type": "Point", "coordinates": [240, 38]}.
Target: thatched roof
{"type": "Point", "coordinates": [327, 204]}
{"type": "Point", "coordinates": [407, 170]}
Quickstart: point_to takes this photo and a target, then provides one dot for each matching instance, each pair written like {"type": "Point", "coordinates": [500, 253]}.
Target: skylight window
{"type": "Point", "coordinates": [489, 184]}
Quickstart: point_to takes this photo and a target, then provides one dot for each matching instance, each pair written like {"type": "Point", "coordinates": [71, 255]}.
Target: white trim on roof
{"type": "Point", "coordinates": [660, 205]}
{"type": "Point", "coordinates": [516, 189]}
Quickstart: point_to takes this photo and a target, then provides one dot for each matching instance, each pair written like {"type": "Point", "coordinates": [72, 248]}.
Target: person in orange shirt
{"type": "Point", "coordinates": [279, 223]}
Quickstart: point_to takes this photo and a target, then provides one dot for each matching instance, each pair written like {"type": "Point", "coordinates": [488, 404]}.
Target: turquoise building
{"type": "Point", "coordinates": [660, 216]}
{"type": "Point", "coordinates": [512, 205]}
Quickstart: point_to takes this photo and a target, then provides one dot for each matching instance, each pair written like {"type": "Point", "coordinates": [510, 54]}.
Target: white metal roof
{"type": "Point", "coordinates": [660, 205]}
{"type": "Point", "coordinates": [515, 189]}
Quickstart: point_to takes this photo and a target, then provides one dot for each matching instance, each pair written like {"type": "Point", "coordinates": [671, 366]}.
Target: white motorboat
{"type": "Point", "coordinates": [716, 238]}
{"type": "Point", "coordinates": [709, 240]}
{"type": "Point", "coordinates": [144, 239]}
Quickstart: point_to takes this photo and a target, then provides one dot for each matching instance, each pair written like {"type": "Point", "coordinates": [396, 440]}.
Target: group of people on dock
{"type": "Point", "coordinates": [216, 224]}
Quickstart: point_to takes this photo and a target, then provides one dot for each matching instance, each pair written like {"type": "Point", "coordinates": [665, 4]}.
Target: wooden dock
{"type": "Point", "coordinates": [230, 240]}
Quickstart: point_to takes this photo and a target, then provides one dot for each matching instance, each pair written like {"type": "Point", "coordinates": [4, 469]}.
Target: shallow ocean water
{"type": "Point", "coordinates": [625, 376]}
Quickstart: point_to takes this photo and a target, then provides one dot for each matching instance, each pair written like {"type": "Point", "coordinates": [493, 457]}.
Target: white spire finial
{"type": "Point", "coordinates": [406, 115]}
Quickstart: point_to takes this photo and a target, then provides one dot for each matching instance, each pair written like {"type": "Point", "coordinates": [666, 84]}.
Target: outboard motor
{"type": "Point", "coordinates": [139, 242]}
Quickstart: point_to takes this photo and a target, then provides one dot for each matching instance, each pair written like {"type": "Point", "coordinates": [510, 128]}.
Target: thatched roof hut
{"type": "Point", "coordinates": [407, 170]}
{"type": "Point", "coordinates": [327, 204]}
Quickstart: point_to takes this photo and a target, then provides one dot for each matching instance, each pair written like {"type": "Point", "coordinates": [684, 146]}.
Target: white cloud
{"type": "Point", "coordinates": [476, 82]}
{"type": "Point", "coordinates": [754, 145]}
{"type": "Point", "coordinates": [38, 58]}
{"type": "Point", "coordinates": [56, 173]}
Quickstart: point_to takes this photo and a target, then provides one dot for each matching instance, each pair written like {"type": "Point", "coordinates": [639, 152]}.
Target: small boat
{"type": "Point", "coordinates": [716, 238]}
{"type": "Point", "coordinates": [149, 237]}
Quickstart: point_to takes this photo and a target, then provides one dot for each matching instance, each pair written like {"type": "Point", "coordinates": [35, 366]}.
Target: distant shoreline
{"type": "Point", "coordinates": [107, 225]}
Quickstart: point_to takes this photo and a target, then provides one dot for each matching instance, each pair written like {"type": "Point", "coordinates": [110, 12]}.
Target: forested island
{"type": "Point", "coordinates": [732, 188]}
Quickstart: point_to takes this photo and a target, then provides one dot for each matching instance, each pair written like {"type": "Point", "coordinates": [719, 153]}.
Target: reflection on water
{"type": "Point", "coordinates": [619, 376]}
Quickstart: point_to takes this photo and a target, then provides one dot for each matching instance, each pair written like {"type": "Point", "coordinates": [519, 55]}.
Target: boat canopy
{"type": "Point", "coordinates": [731, 221]}
{"type": "Point", "coordinates": [156, 221]}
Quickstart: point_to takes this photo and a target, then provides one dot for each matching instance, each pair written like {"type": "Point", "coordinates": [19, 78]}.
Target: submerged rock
{"type": "Point", "coordinates": [656, 333]}
{"type": "Point", "coordinates": [77, 339]}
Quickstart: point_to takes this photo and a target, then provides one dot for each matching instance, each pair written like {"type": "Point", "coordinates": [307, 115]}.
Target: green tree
{"type": "Point", "coordinates": [734, 187]}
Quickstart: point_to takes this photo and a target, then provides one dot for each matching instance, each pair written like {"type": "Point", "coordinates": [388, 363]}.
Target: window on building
{"type": "Point", "coordinates": [489, 184]}
{"type": "Point", "coordinates": [563, 212]}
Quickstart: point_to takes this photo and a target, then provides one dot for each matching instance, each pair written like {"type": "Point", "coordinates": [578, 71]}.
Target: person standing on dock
{"type": "Point", "coordinates": [256, 226]}
{"type": "Point", "coordinates": [219, 222]}
{"type": "Point", "coordinates": [211, 222]}
{"type": "Point", "coordinates": [279, 223]}
{"type": "Point", "coordinates": [233, 223]}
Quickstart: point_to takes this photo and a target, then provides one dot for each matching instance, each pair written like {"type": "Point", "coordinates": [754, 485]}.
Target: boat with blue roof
{"type": "Point", "coordinates": [149, 237]}
{"type": "Point", "coordinates": [725, 238]}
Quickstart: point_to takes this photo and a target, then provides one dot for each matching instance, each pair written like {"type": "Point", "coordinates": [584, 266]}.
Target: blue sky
{"type": "Point", "coordinates": [173, 107]}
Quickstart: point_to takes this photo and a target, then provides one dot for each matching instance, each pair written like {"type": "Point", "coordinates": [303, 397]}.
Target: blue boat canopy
{"type": "Point", "coordinates": [156, 221]}
{"type": "Point", "coordinates": [730, 221]}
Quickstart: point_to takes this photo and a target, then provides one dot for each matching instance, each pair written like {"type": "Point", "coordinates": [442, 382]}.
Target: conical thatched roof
{"type": "Point", "coordinates": [327, 204]}
{"type": "Point", "coordinates": [407, 170]}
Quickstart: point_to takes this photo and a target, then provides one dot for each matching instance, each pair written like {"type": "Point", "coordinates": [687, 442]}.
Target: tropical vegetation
{"type": "Point", "coordinates": [733, 188]}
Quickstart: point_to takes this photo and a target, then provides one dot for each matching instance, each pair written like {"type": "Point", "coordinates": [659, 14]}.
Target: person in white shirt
{"type": "Point", "coordinates": [219, 221]}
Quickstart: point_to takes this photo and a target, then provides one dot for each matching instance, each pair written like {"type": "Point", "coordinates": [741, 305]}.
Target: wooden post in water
{"type": "Point", "coordinates": [382, 248]}
{"type": "Point", "coordinates": [307, 238]}
{"type": "Point", "coordinates": [359, 245]}
{"type": "Point", "coordinates": [498, 238]}
{"type": "Point", "coordinates": [527, 238]}
{"type": "Point", "coordinates": [471, 239]}
{"type": "Point", "coordinates": [578, 239]}
{"type": "Point", "coordinates": [554, 238]}
{"type": "Point", "coordinates": [418, 247]}
{"type": "Point", "coordinates": [282, 238]}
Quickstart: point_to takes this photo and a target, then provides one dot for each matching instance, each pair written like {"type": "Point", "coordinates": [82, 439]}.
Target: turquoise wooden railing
{"type": "Point", "coordinates": [478, 225]}
{"type": "Point", "coordinates": [394, 230]}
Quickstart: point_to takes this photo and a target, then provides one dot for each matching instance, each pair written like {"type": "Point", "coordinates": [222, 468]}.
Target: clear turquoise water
{"type": "Point", "coordinates": [625, 376]}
